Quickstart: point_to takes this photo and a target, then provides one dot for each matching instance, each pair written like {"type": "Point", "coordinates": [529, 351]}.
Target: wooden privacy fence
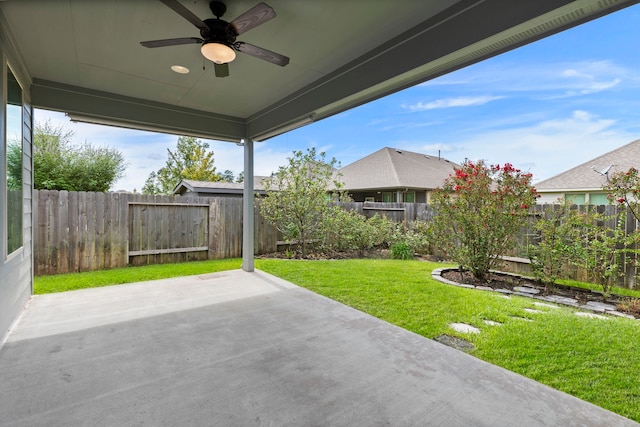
{"type": "Point", "coordinates": [84, 231]}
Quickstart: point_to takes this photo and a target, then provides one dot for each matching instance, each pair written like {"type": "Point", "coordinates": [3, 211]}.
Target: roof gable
{"type": "Point", "coordinates": [395, 168]}
{"type": "Point", "coordinates": [585, 176]}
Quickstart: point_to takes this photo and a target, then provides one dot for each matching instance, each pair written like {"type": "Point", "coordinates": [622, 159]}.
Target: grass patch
{"type": "Point", "coordinates": [593, 359]}
{"type": "Point", "coordinates": [634, 293]}
{"type": "Point", "coordinates": [118, 276]}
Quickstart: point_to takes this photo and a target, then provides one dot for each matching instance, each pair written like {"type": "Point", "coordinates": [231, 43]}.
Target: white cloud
{"type": "Point", "coordinates": [552, 80]}
{"type": "Point", "coordinates": [435, 148]}
{"type": "Point", "coordinates": [452, 102]}
{"type": "Point", "coordinates": [407, 125]}
{"type": "Point", "coordinates": [549, 147]}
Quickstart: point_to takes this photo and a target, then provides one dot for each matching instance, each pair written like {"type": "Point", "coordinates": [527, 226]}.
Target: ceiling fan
{"type": "Point", "coordinates": [218, 37]}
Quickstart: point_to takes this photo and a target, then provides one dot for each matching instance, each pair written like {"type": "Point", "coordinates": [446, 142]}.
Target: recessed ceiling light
{"type": "Point", "coordinates": [180, 69]}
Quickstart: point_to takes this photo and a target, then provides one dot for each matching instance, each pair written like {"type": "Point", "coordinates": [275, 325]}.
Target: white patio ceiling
{"type": "Point", "coordinates": [84, 56]}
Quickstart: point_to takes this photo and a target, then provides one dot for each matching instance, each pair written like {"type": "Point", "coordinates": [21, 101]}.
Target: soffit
{"type": "Point", "coordinates": [85, 56]}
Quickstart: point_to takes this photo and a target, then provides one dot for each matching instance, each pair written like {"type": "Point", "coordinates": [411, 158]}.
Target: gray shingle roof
{"type": "Point", "coordinates": [390, 168]}
{"type": "Point", "coordinates": [583, 177]}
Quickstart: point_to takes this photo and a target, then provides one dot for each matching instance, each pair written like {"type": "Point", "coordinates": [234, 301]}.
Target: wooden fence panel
{"type": "Point", "coordinates": [266, 235]}
{"type": "Point", "coordinates": [225, 222]}
{"type": "Point", "coordinates": [164, 230]}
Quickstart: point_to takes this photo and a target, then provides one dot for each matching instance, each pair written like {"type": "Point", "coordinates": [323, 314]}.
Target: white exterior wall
{"type": "Point", "coordinates": [16, 269]}
{"type": "Point", "coordinates": [549, 198]}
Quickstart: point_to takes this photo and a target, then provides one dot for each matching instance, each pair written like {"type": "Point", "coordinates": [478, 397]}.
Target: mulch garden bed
{"type": "Point", "coordinates": [509, 281]}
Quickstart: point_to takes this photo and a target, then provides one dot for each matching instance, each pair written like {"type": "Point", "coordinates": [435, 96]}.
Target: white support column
{"type": "Point", "coordinates": [247, 208]}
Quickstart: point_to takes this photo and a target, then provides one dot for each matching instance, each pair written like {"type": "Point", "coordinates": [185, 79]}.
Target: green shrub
{"type": "Point", "coordinates": [558, 235]}
{"type": "Point", "coordinates": [478, 211]}
{"type": "Point", "coordinates": [348, 231]}
{"type": "Point", "coordinates": [401, 250]}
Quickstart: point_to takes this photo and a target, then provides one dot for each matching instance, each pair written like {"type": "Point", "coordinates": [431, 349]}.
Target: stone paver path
{"type": "Point", "coordinates": [592, 307]}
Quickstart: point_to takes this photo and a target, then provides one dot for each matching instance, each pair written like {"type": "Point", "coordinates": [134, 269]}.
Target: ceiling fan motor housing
{"type": "Point", "coordinates": [218, 31]}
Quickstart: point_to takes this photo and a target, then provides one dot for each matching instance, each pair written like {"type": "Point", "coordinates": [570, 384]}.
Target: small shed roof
{"type": "Point", "coordinates": [217, 187]}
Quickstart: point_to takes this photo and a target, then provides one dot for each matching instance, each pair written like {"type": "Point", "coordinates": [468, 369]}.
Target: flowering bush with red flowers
{"type": "Point", "coordinates": [624, 189]}
{"type": "Point", "coordinates": [479, 210]}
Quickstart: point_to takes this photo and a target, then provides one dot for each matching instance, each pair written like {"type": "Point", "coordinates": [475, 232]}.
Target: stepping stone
{"type": "Point", "coordinates": [523, 294]}
{"type": "Point", "coordinates": [592, 308]}
{"type": "Point", "coordinates": [600, 305]}
{"type": "Point", "coordinates": [590, 315]}
{"type": "Point", "coordinates": [526, 290]}
{"type": "Point", "coordinates": [455, 342]}
{"type": "Point", "coordinates": [484, 288]}
{"type": "Point", "coordinates": [619, 314]}
{"type": "Point", "coordinates": [464, 328]}
{"type": "Point", "coordinates": [542, 304]}
{"type": "Point", "coordinates": [504, 291]}
{"type": "Point", "coordinates": [562, 300]}
{"type": "Point", "coordinates": [531, 310]}
{"type": "Point", "coordinates": [491, 323]}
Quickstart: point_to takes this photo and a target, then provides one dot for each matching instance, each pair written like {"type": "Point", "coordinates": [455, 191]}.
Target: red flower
{"type": "Point", "coordinates": [524, 206]}
{"type": "Point", "coordinates": [621, 200]}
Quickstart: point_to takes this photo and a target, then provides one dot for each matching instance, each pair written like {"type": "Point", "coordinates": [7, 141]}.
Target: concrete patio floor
{"type": "Point", "coordinates": [240, 349]}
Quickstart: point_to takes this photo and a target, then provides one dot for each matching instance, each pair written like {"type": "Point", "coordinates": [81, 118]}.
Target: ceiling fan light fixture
{"type": "Point", "coordinates": [218, 52]}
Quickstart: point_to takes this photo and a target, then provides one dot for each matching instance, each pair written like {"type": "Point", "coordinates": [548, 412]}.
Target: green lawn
{"type": "Point", "coordinates": [593, 359]}
{"type": "Point", "coordinates": [118, 276]}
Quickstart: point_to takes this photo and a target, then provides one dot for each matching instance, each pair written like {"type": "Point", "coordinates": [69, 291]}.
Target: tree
{"type": "Point", "coordinates": [60, 165]}
{"type": "Point", "coordinates": [240, 177]}
{"type": "Point", "coordinates": [227, 176]}
{"type": "Point", "coordinates": [624, 189]}
{"type": "Point", "coordinates": [479, 210]}
{"type": "Point", "coordinates": [191, 159]}
{"type": "Point", "coordinates": [297, 200]}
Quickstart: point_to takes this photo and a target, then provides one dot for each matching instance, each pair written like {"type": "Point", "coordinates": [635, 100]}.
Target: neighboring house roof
{"type": "Point", "coordinates": [586, 175]}
{"type": "Point", "coordinates": [217, 187]}
{"type": "Point", "coordinates": [391, 168]}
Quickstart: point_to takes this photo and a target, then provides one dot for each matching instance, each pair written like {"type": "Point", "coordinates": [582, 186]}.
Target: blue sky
{"type": "Point", "coordinates": [545, 108]}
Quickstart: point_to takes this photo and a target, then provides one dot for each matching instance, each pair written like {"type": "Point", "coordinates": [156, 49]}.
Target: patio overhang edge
{"type": "Point", "coordinates": [116, 110]}
{"type": "Point", "coordinates": [404, 61]}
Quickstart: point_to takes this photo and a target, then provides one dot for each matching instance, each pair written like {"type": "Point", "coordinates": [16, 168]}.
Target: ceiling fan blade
{"type": "Point", "coordinates": [171, 42]}
{"type": "Point", "coordinates": [185, 13]}
{"type": "Point", "coordinates": [221, 70]}
{"type": "Point", "coordinates": [259, 52]}
{"type": "Point", "coordinates": [258, 14]}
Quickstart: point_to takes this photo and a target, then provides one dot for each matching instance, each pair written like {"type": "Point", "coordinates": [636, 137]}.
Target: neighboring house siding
{"type": "Point", "coordinates": [575, 197]}
{"type": "Point", "coordinates": [377, 196]}
{"type": "Point", "coordinates": [16, 268]}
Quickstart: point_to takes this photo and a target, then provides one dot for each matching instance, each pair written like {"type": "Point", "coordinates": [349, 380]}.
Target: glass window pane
{"type": "Point", "coordinates": [578, 199]}
{"type": "Point", "coordinates": [409, 197]}
{"type": "Point", "coordinates": [14, 163]}
{"type": "Point", "coordinates": [598, 199]}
